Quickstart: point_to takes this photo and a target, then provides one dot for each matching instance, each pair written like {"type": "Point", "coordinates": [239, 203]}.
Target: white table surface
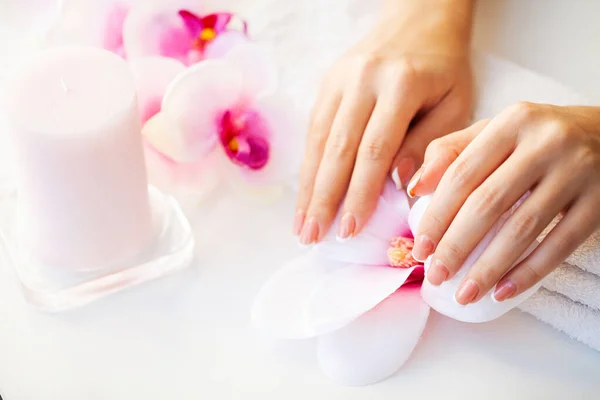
{"type": "Point", "coordinates": [188, 336]}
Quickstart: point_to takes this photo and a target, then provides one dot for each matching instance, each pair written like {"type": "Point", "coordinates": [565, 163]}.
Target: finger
{"type": "Point", "coordinates": [381, 140]}
{"type": "Point", "coordinates": [573, 229]}
{"type": "Point", "coordinates": [517, 234]}
{"type": "Point", "coordinates": [322, 117]}
{"type": "Point", "coordinates": [482, 209]}
{"type": "Point", "coordinates": [478, 160]}
{"type": "Point", "coordinates": [450, 115]}
{"type": "Point", "coordinates": [336, 165]}
{"type": "Point", "coordinates": [439, 155]}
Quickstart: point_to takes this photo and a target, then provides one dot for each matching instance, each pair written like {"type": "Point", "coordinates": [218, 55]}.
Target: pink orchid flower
{"type": "Point", "coordinates": [363, 299]}
{"type": "Point", "coordinates": [181, 30]}
{"type": "Point", "coordinates": [219, 119]}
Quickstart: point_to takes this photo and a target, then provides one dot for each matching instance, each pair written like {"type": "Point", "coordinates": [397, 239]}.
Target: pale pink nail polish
{"type": "Point", "coordinates": [310, 231]}
{"type": "Point", "coordinates": [298, 222]}
{"type": "Point", "coordinates": [438, 273]}
{"type": "Point", "coordinates": [504, 291]}
{"type": "Point", "coordinates": [423, 248]}
{"type": "Point", "coordinates": [347, 227]}
{"type": "Point", "coordinates": [467, 292]}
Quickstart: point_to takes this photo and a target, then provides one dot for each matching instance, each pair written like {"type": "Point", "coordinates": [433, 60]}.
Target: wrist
{"type": "Point", "coordinates": [449, 21]}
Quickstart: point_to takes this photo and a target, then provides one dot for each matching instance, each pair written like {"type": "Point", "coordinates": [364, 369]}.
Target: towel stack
{"type": "Point", "coordinates": [569, 299]}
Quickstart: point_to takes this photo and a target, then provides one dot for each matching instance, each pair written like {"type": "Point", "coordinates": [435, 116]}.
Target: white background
{"type": "Point", "coordinates": [187, 336]}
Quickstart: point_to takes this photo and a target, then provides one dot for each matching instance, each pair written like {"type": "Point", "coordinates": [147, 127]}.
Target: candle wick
{"type": "Point", "coordinates": [64, 84]}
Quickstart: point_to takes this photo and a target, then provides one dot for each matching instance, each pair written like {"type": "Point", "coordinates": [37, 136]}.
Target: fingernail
{"type": "Point", "coordinates": [396, 179]}
{"type": "Point", "coordinates": [347, 227]}
{"type": "Point", "coordinates": [423, 248]}
{"type": "Point", "coordinates": [298, 222]}
{"type": "Point", "coordinates": [310, 231]}
{"type": "Point", "coordinates": [504, 290]}
{"type": "Point", "coordinates": [405, 170]}
{"type": "Point", "coordinates": [438, 273]}
{"type": "Point", "coordinates": [410, 189]}
{"type": "Point", "coordinates": [467, 292]}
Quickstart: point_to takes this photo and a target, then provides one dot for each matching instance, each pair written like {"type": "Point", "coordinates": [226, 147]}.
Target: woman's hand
{"type": "Point", "coordinates": [405, 83]}
{"type": "Point", "coordinates": [553, 152]}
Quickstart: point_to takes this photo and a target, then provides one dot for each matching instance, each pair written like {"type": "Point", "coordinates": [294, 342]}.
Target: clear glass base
{"type": "Point", "coordinates": [54, 289]}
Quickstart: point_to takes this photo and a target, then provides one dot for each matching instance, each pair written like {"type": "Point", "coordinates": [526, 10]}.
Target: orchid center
{"type": "Point", "coordinates": [244, 138]}
{"type": "Point", "coordinates": [400, 253]}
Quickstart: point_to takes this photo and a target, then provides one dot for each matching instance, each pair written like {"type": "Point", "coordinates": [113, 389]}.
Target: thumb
{"type": "Point", "coordinates": [440, 154]}
{"type": "Point", "coordinates": [450, 115]}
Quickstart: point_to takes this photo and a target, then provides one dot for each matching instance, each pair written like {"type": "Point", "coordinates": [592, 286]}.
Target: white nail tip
{"type": "Point", "coordinates": [341, 239]}
{"type": "Point", "coordinates": [396, 178]}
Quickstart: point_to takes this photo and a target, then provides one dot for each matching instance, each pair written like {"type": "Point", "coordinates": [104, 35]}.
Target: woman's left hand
{"type": "Point", "coordinates": [551, 151]}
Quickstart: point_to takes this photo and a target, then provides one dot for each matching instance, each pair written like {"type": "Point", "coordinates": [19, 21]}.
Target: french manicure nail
{"type": "Point", "coordinates": [396, 179]}
{"type": "Point", "coordinates": [405, 170]}
{"type": "Point", "coordinates": [423, 248]}
{"type": "Point", "coordinates": [504, 291]}
{"type": "Point", "coordinates": [298, 222]}
{"type": "Point", "coordinates": [347, 227]}
{"type": "Point", "coordinates": [467, 292]}
{"type": "Point", "coordinates": [410, 189]}
{"type": "Point", "coordinates": [310, 231]}
{"type": "Point", "coordinates": [438, 273]}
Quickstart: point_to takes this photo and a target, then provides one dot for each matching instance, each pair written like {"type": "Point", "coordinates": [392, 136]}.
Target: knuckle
{"type": "Point", "coordinates": [529, 275]}
{"type": "Point", "coordinates": [322, 200]}
{"type": "Point", "coordinates": [340, 146]}
{"type": "Point", "coordinates": [365, 65]}
{"type": "Point", "coordinates": [461, 173]}
{"type": "Point", "coordinates": [525, 226]}
{"type": "Point", "coordinates": [454, 254]}
{"type": "Point", "coordinates": [359, 198]}
{"type": "Point", "coordinates": [522, 111]}
{"type": "Point", "coordinates": [486, 201]}
{"type": "Point", "coordinates": [376, 151]}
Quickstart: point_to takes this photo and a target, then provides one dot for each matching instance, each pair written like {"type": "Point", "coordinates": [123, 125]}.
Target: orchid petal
{"type": "Point", "coordinates": [283, 138]}
{"type": "Point", "coordinates": [374, 346]}
{"type": "Point", "coordinates": [363, 249]}
{"type": "Point", "coordinates": [157, 29]}
{"type": "Point", "coordinates": [351, 292]}
{"type": "Point", "coordinates": [258, 68]}
{"type": "Point", "coordinates": [224, 43]}
{"type": "Point", "coordinates": [441, 298]}
{"type": "Point", "coordinates": [152, 76]}
{"type": "Point", "coordinates": [280, 307]}
{"type": "Point", "coordinates": [162, 137]}
{"type": "Point", "coordinates": [389, 220]}
{"type": "Point", "coordinates": [195, 101]}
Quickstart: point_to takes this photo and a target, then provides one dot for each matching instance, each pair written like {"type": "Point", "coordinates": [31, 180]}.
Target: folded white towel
{"type": "Point", "coordinates": [576, 284]}
{"type": "Point", "coordinates": [575, 319]}
{"type": "Point", "coordinates": [587, 256]}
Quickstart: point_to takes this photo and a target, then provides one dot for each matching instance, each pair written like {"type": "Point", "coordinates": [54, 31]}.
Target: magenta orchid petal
{"type": "Point", "coordinates": [195, 103]}
{"type": "Point", "coordinates": [224, 43]}
{"type": "Point", "coordinates": [441, 298]}
{"type": "Point", "coordinates": [279, 129]}
{"type": "Point", "coordinates": [350, 292]}
{"type": "Point", "coordinates": [374, 346]}
{"type": "Point", "coordinates": [152, 76]}
{"type": "Point", "coordinates": [192, 22]}
{"type": "Point", "coordinates": [157, 29]}
{"type": "Point", "coordinates": [280, 307]}
{"type": "Point", "coordinates": [258, 68]}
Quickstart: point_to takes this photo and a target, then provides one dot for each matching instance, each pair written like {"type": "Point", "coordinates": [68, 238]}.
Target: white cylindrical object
{"type": "Point", "coordinates": [82, 185]}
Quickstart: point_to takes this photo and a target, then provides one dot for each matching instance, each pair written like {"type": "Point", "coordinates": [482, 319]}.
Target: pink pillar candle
{"type": "Point", "coordinates": [82, 185]}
